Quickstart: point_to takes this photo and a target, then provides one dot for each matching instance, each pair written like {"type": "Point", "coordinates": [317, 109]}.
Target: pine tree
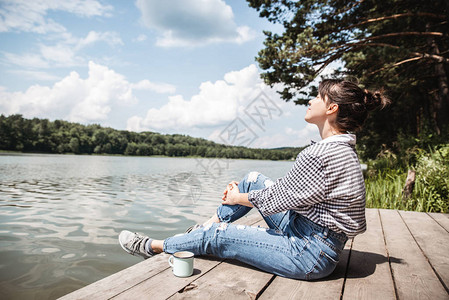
{"type": "Point", "coordinates": [402, 45]}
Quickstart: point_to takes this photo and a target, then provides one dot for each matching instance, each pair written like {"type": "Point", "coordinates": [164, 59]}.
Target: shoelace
{"type": "Point", "coordinates": [192, 228]}
{"type": "Point", "coordinates": [135, 243]}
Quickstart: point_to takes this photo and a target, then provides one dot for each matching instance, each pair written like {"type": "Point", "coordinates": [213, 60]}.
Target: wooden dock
{"type": "Point", "coordinates": [402, 255]}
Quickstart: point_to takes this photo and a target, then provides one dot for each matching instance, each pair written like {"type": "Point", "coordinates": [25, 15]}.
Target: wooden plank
{"type": "Point", "coordinates": [433, 241]}
{"type": "Point", "coordinates": [119, 282]}
{"type": "Point", "coordinates": [413, 276]}
{"type": "Point", "coordinates": [116, 283]}
{"type": "Point", "coordinates": [369, 275]}
{"type": "Point", "coordinates": [166, 284]}
{"type": "Point", "coordinates": [409, 237]}
{"type": "Point", "coordinates": [326, 288]}
{"type": "Point", "coordinates": [260, 223]}
{"type": "Point", "coordinates": [442, 219]}
{"type": "Point", "coordinates": [250, 219]}
{"type": "Point", "coordinates": [229, 280]}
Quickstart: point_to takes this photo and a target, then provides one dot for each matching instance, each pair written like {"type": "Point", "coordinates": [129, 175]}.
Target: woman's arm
{"type": "Point", "coordinates": [303, 185]}
{"type": "Point", "coordinates": [232, 196]}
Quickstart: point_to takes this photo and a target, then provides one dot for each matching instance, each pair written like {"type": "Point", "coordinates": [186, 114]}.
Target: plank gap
{"type": "Point", "coordinates": [346, 271]}
{"type": "Point", "coordinates": [265, 287]}
{"type": "Point", "coordinates": [388, 256]}
{"type": "Point", "coordinates": [369, 273]}
{"type": "Point", "coordinates": [140, 282]}
{"type": "Point", "coordinates": [441, 225]}
{"type": "Point", "coordinates": [424, 254]}
{"type": "Point", "coordinates": [183, 288]}
{"type": "Point", "coordinates": [250, 220]}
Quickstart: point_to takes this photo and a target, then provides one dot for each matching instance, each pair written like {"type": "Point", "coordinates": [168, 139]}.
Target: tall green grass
{"type": "Point", "coordinates": [385, 180]}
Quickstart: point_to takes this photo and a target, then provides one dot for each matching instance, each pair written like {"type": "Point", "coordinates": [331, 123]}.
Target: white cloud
{"type": "Point", "coordinates": [216, 103]}
{"type": "Point", "coordinates": [31, 16]}
{"type": "Point", "coordinates": [275, 133]}
{"type": "Point", "coordinates": [306, 134]}
{"type": "Point", "coordinates": [136, 124]}
{"type": "Point", "coordinates": [63, 53]}
{"type": "Point", "coordinates": [160, 88]}
{"type": "Point", "coordinates": [287, 138]}
{"type": "Point", "coordinates": [60, 55]}
{"type": "Point", "coordinates": [74, 98]}
{"type": "Point", "coordinates": [277, 140]}
{"type": "Point", "coordinates": [25, 60]}
{"type": "Point", "coordinates": [55, 56]}
{"type": "Point", "coordinates": [111, 38]}
{"type": "Point", "coordinates": [39, 75]}
{"type": "Point", "coordinates": [140, 38]}
{"type": "Point", "coordinates": [192, 23]}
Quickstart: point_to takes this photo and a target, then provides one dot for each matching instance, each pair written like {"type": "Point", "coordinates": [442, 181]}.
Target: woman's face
{"type": "Point", "coordinates": [316, 113]}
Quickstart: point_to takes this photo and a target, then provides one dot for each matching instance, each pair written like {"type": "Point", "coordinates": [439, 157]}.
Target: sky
{"type": "Point", "coordinates": [178, 66]}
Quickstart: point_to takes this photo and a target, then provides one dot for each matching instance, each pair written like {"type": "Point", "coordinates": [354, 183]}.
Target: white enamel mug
{"type": "Point", "coordinates": [181, 263]}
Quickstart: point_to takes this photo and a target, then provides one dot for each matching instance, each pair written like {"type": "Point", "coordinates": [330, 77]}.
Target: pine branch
{"type": "Point", "coordinates": [338, 51]}
{"type": "Point", "coordinates": [396, 64]}
{"type": "Point", "coordinates": [329, 60]}
{"type": "Point", "coordinates": [361, 42]}
{"type": "Point", "coordinates": [393, 34]}
{"type": "Point", "coordinates": [438, 58]}
{"type": "Point", "coordinates": [396, 16]}
{"type": "Point", "coordinates": [344, 9]}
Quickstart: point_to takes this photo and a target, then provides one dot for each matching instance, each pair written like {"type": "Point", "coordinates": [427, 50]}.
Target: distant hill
{"type": "Point", "coordinates": [44, 136]}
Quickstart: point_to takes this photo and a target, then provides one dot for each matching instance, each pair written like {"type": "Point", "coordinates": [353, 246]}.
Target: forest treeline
{"type": "Point", "coordinates": [44, 136]}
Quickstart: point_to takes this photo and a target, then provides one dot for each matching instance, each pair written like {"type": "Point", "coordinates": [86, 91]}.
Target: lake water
{"type": "Point", "coordinates": [60, 215]}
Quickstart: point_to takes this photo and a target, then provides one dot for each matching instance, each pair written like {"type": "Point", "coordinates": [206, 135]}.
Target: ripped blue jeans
{"type": "Point", "coordinates": [292, 246]}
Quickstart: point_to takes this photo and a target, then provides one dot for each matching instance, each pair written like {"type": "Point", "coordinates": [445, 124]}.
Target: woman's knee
{"type": "Point", "coordinates": [231, 213]}
{"type": "Point", "coordinates": [254, 181]}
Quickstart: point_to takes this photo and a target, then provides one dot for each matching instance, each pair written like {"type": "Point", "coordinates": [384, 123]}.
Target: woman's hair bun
{"type": "Point", "coordinates": [376, 99]}
{"type": "Point", "coordinates": [354, 102]}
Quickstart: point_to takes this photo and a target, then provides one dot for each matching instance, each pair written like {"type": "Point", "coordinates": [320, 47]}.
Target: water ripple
{"type": "Point", "coordinates": [60, 215]}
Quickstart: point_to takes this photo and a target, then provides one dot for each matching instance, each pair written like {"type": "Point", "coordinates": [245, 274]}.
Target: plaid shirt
{"type": "Point", "coordinates": [325, 185]}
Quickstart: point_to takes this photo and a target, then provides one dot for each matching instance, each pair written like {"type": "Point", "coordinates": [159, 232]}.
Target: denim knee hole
{"type": "Point", "coordinates": [252, 177]}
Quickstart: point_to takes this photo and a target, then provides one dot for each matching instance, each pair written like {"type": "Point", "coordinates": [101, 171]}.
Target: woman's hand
{"type": "Point", "coordinates": [225, 192]}
{"type": "Point", "coordinates": [231, 194]}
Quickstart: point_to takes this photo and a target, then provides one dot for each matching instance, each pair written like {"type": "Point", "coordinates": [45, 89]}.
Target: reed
{"type": "Point", "coordinates": [386, 177]}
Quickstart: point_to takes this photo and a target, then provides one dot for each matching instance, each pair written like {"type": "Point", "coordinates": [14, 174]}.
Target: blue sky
{"type": "Point", "coordinates": [178, 66]}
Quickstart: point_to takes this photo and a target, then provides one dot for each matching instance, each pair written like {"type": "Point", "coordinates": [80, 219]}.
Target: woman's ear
{"type": "Point", "coordinates": [332, 108]}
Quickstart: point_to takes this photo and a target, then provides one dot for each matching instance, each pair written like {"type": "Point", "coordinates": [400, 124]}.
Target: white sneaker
{"type": "Point", "coordinates": [134, 243]}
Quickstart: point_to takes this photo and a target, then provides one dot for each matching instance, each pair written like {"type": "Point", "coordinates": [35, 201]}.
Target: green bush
{"type": "Point", "coordinates": [387, 174]}
{"type": "Point", "coordinates": [432, 181]}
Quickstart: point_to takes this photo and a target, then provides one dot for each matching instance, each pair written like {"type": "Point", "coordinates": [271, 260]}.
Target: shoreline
{"type": "Point", "coordinates": [3, 152]}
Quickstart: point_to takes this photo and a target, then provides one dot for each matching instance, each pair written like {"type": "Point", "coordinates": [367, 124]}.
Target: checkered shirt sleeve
{"type": "Point", "coordinates": [325, 185]}
{"type": "Point", "coordinates": [303, 185]}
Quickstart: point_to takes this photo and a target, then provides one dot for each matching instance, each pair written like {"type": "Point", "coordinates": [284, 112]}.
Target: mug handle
{"type": "Point", "coordinates": [170, 261]}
